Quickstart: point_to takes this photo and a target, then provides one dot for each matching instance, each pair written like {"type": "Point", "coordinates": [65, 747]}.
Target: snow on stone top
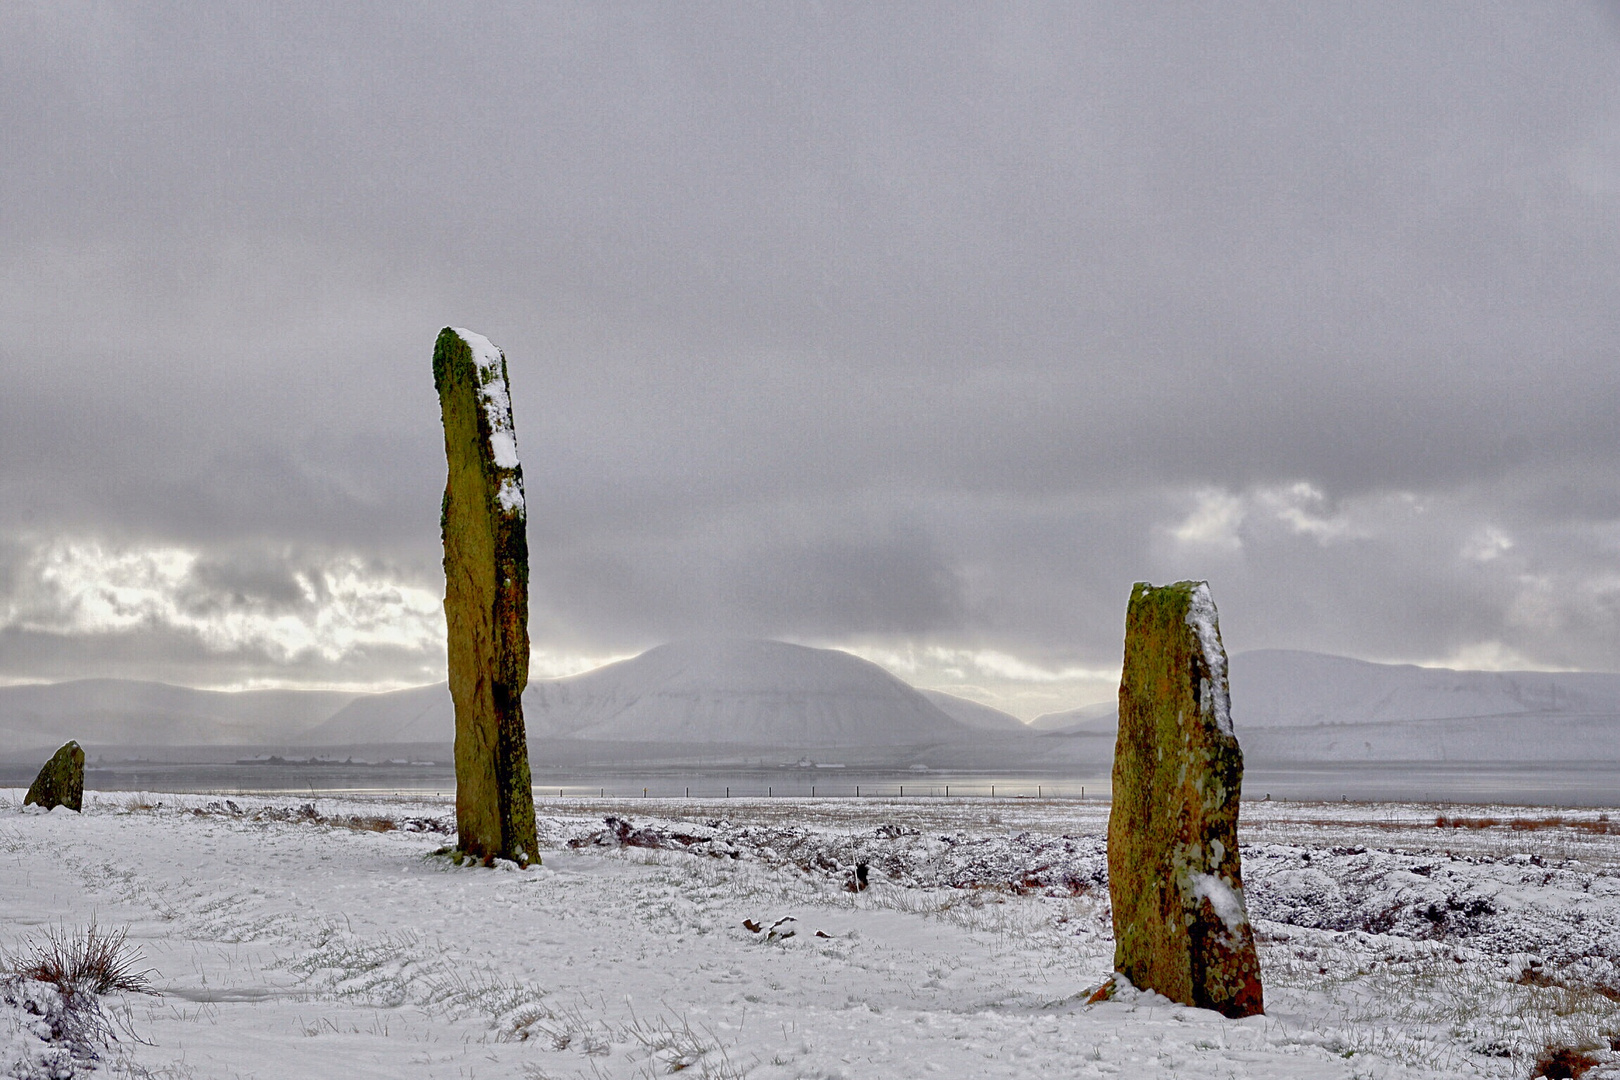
{"type": "Point", "coordinates": [497, 402]}
{"type": "Point", "coordinates": [1202, 618]}
{"type": "Point", "coordinates": [493, 393]}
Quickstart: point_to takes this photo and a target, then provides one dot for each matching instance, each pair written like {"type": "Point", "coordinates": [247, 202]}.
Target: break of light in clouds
{"type": "Point", "coordinates": [270, 618]}
{"type": "Point", "coordinates": [922, 332]}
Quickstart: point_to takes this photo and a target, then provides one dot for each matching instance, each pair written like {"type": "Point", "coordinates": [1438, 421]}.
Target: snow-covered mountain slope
{"type": "Point", "coordinates": [1309, 707]}
{"type": "Point", "coordinates": [420, 714]}
{"type": "Point", "coordinates": [764, 693]}
{"type": "Point", "coordinates": [1288, 706]}
{"type": "Point", "coordinates": [128, 712]}
{"type": "Point", "coordinates": [1102, 716]}
{"type": "Point", "coordinates": [1287, 688]}
{"type": "Point", "coordinates": [974, 714]}
{"type": "Point", "coordinates": [1545, 737]}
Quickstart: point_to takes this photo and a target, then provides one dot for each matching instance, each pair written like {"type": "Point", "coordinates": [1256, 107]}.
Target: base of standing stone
{"type": "Point", "coordinates": [468, 858]}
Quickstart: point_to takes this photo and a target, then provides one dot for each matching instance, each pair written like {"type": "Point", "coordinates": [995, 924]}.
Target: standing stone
{"type": "Point", "coordinates": [1174, 875]}
{"type": "Point", "coordinates": [486, 599]}
{"type": "Point", "coordinates": [60, 781]}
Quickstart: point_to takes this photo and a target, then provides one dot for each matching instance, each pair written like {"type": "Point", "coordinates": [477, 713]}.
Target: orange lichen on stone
{"type": "Point", "coordinates": [1174, 873]}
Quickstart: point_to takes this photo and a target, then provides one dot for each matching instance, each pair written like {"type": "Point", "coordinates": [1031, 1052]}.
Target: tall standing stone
{"type": "Point", "coordinates": [486, 598]}
{"type": "Point", "coordinates": [60, 781]}
{"type": "Point", "coordinates": [1174, 874]}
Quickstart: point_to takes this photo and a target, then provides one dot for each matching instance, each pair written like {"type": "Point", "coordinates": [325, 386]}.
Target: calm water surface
{"type": "Point", "coordinates": [1537, 785]}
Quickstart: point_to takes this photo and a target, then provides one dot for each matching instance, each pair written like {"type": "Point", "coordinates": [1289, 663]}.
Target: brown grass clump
{"type": "Point", "coordinates": [1601, 827]}
{"type": "Point", "coordinates": [1524, 824]}
{"type": "Point", "coordinates": [365, 824]}
{"type": "Point", "coordinates": [1563, 1063]}
{"type": "Point", "coordinates": [89, 962]}
{"type": "Point", "coordinates": [1443, 822]}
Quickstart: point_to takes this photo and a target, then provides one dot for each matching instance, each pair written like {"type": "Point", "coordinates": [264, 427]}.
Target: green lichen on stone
{"type": "Point", "coordinates": [60, 781]}
{"type": "Point", "coordinates": [1175, 878]}
{"type": "Point", "coordinates": [486, 603]}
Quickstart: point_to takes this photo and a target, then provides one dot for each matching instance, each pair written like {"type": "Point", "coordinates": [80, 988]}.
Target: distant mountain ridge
{"type": "Point", "coordinates": [1287, 705]}
{"type": "Point", "coordinates": [765, 693]}
{"type": "Point", "coordinates": [1290, 688]}
{"type": "Point", "coordinates": [158, 714]}
{"type": "Point", "coordinates": [973, 713]}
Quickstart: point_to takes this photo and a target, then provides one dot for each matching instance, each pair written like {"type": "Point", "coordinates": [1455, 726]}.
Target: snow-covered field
{"type": "Point", "coordinates": [317, 938]}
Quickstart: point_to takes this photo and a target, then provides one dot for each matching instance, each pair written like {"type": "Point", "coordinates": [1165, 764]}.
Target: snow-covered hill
{"type": "Point", "coordinates": [1087, 719]}
{"type": "Point", "coordinates": [1288, 688]}
{"type": "Point", "coordinates": [973, 713]}
{"type": "Point", "coordinates": [761, 693]}
{"type": "Point", "coordinates": [1288, 706]}
{"type": "Point", "coordinates": [1310, 707]}
{"type": "Point", "coordinates": [129, 712]}
{"type": "Point", "coordinates": [421, 714]}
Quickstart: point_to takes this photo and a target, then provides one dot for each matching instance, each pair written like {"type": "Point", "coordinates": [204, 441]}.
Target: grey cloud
{"type": "Point", "coordinates": [162, 654]}
{"type": "Point", "coordinates": [836, 321]}
{"type": "Point", "coordinates": [750, 575]}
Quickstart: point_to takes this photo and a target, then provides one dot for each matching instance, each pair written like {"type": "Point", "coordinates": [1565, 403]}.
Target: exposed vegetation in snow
{"type": "Point", "coordinates": [311, 937]}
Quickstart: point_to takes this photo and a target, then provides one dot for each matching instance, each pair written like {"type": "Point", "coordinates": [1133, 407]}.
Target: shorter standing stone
{"type": "Point", "coordinates": [1174, 875]}
{"type": "Point", "coordinates": [60, 781]}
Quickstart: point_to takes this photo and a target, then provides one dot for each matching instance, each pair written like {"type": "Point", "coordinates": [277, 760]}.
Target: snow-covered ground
{"type": "Point", "coordinates": [317, 938]}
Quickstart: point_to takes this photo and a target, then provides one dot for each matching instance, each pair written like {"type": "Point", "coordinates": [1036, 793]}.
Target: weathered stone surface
{"type": "Point", "coordinates": [486, 598]}
{"type": "Point", "coordinates": [1174, 876]}
{"type": "Point", "coordinates": [60, 781]}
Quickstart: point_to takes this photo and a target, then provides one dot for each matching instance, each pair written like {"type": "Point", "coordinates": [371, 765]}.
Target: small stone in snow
{"type": "Point", "coordinates": [60, 781]}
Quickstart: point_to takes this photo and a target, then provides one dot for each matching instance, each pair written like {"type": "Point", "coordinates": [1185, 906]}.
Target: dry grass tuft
{"type": "Point", "coordinates": [84, 962]}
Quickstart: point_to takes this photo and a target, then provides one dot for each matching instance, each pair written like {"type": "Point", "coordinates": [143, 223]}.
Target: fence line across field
{"type": "Point", "coordinates": [686, 792]}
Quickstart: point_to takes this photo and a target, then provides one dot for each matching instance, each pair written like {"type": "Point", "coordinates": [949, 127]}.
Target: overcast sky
{"type": "Point", "coordinates": [922, 331]}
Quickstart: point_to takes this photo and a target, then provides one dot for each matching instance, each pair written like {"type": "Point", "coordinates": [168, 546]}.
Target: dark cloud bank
{"type": "Point", "coordinates": [919, 330]}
